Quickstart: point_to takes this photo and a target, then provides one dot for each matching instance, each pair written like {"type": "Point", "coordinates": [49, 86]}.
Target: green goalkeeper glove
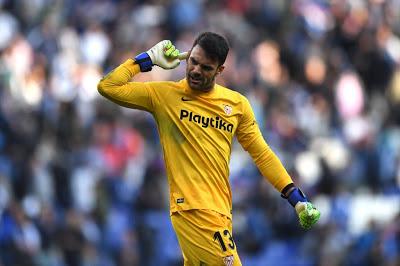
{"type": "Point", "coordinates": [163, 54]}
{"type": "Point", "coordinates": [308, 214]}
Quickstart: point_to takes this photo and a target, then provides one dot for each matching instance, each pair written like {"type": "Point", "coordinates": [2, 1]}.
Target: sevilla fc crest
{"type": "Point", "coordinates": [228, 109]}
{"type": "Point", "coordinates": [228, 261]}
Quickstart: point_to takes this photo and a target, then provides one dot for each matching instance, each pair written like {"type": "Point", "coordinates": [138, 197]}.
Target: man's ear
{"type": "Point", "coordinates": [220, 69]}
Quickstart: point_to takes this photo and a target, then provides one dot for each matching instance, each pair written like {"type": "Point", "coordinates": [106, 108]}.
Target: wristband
{"type": "Point", "coordinates": [295, 196]}
{"type": "Point", "coordinates": [144, 62]}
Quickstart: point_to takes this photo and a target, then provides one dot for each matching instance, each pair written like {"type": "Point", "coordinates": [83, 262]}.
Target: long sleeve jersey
{"type": "Point", "coordinates": [196, 130]}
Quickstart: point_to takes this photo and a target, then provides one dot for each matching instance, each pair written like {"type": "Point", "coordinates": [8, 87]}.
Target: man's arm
{"type": "Point", "coordinates": [251, 139]}
{"type": "Point", "coordinates": [116, 87]}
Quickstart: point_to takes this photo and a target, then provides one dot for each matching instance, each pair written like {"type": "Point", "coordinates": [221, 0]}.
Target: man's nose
{"type": "Point", "coordinates": [196, 70]}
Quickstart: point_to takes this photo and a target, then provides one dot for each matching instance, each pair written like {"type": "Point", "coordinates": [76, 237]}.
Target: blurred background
{"type": "Point", "coordinates": [82, 181]}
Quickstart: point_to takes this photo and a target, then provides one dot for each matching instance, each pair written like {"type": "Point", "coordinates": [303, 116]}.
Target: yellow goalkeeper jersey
{"type": "Point", "coordinates": [196, 131]}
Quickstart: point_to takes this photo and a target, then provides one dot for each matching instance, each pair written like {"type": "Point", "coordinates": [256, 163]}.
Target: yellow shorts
{"type": "Point", "coordinates": [205, 238]}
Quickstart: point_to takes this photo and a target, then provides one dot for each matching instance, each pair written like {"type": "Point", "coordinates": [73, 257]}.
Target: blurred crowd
{"type": "Point", "coordinates": [82, 181]}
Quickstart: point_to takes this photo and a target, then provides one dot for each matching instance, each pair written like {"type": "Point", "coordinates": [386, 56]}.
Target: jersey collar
{"type": "Point", "coordinates": [189, 90]}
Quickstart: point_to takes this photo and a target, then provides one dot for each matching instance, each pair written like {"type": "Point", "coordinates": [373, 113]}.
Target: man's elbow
{"type": "Point", "coordinates": [101, 87]}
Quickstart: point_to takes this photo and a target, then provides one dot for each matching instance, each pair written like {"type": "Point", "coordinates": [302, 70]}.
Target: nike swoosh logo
{"type": "Point", "coordinates": [186, 99]}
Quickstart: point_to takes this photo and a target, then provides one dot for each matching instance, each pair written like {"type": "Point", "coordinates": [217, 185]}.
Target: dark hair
{"type": "Point", "coordinates": [214, 45]}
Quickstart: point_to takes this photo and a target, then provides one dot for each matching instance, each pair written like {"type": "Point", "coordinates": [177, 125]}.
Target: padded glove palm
{"type": "Point", "coordinates": [307, 213]}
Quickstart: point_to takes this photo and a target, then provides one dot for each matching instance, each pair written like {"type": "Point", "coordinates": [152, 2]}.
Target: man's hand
{"type": "Point", "coordinates": [163, 54]}
{"type": "Point", "coordinates": [308, 214]}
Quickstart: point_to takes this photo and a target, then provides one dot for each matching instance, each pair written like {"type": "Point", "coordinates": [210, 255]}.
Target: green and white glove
{"type": "Point", "coordinates": [307, 213]}
{"type": "Point", "coordinates": [164, 54]}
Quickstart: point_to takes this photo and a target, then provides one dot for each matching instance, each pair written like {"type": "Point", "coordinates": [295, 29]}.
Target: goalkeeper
{"type": "Point", "coordinates": [197, 121]}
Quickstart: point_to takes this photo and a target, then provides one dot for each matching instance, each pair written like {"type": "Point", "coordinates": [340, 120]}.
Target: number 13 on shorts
{"type": "Point", "coordinates": [220, 238]}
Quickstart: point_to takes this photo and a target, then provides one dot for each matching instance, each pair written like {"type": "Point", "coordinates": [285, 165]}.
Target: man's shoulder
{"type": "Point", "coordinates": [168, 83]}
{"type": "Point", "coordinates": [231, 93]}
{"type": "Point", "coordinates": [166, 87]}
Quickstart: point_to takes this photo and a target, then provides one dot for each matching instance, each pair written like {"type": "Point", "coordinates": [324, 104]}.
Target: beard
{"type": "Point", "coordinates": [200, 83]}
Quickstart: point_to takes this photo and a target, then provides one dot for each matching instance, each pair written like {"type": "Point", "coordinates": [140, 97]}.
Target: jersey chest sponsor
{"type": "Point", "coordinates": [205, 122]}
